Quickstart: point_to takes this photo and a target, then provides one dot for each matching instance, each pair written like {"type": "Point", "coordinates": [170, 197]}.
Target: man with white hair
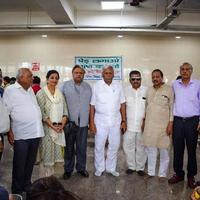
{"type": "Point", "coordinates": [186, 125]}
{"type": "Point", "coordinates": [26, 129]}
{"type": "Point", "coordinates": [107, 116]}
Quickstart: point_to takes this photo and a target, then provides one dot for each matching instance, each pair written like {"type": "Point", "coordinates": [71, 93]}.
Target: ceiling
{"type": "Point", "coordinates": [86, 15]}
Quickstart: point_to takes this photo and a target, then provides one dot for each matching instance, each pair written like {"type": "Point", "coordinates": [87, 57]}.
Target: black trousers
{"type": "Point", "coordinates": [25, 152]}
{"type": "Point", "coordinates": [76, 144]}
{"type": "Point", "coordinates": [185, 133]}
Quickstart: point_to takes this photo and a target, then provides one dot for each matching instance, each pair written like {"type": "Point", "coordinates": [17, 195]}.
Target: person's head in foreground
{"type": "Point", "coordinates": [49, 188]}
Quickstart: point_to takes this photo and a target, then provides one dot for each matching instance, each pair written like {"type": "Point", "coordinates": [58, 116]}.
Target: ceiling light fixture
{"type": "Point", "coordinates": [178, 37]}
{"type": "Point", "coordinates": [112, 5]}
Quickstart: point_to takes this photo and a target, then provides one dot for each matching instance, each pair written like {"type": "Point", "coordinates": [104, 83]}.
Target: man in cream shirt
{"type": "Point", "coordinates": [135, 109]}
{"type": "Point", "coordinates": [26, 129]}
{"type": "Point", "coordinates": [107, 116]}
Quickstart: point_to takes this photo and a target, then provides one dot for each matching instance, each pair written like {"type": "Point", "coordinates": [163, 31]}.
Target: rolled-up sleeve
{"type": "Point", "coordinates": [65, 109]}
{"type": "Point", "coordinates": [93, 99]}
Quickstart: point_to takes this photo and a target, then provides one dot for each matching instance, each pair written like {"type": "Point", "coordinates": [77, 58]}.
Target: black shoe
{"type": "Point", "coordinates": [141, 173]}
{"type": "Point", "coordinates": [84, 173]}
{"type": "Point", "coordinates": [175, 179]}
{"type": "Point", "coordinates": [191, 182]}
{"type": "Point", "coordinates": [130, 171]}
{"type": "Point", "coordinates": [67, 175]}
{"type": "Point", "coordinates": [198, 183]}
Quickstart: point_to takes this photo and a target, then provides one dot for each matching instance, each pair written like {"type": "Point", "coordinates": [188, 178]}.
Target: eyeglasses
{"type": "Point", "coordinates": [135, 79]}
{"type": "Point", "coordinates": [57, 124]}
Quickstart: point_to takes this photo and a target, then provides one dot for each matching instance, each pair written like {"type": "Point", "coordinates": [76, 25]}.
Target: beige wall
{"type": "Point", "coordinates": [145, 52]}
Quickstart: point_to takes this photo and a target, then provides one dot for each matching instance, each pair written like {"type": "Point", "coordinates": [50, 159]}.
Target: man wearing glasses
{"type": "Point", "coordinates": [135, 108]}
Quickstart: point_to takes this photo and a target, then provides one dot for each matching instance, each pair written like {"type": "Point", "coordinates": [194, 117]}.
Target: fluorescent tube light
{"type": "Point", "coordinates": [112, 5]}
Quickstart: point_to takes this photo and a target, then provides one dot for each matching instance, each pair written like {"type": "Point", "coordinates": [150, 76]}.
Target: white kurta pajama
{"type": "Point", "coordinates": [107, 100]}
{"type": "Point", "coordinates": [132, 139]}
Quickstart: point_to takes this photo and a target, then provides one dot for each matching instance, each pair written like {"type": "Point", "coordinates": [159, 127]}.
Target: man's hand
{"type": "Point", "coordinates": [10, 137]}
{"type": "Point", "coordinates": [143, 124]}
{"type": "Point", "coordinates": [169, 128]}
{"type": "Point", "coordinates": [93, 129]}
{"type": "Point", "coordinates": [123, 127]}
{"type": "Point", "coordinates": [198, 128]}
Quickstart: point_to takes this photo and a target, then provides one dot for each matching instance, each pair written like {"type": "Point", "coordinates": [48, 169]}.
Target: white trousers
{"type": "Point", "coordinates": [152, 158]}
{"type": "Point", "coordinates": [134, 150]}
{"type": "Point", "coordinates": [107, 161]}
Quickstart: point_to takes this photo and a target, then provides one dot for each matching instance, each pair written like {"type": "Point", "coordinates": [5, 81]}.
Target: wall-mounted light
{"type": "Point", "coordinates": [44, 36]}
{"type": "Point", "coordinates": [178, 37]}
{"type": "Point", "coordinates": [120, 36]}
{"type": "Point", "coordinates": [112, 5]}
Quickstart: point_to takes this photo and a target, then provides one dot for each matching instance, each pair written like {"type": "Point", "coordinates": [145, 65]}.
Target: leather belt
{"type": "Point", "coordinates": [185, 118]}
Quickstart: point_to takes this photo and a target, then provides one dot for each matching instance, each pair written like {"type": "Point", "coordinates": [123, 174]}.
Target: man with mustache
{"type": "Point", "coordinates": [107, 117]}
{"type": "Point", "coordinates": [135, 95]}
{"type": "Point", "coordinates": [186, 124]}
{"type": "Point", "coordinates": [158, 124]}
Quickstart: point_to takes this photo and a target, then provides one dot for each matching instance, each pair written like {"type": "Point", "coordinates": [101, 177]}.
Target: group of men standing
{"type": "Point", "coordinates": [146, 117]}
{"type": "Point", "coordinates": [160, 112]}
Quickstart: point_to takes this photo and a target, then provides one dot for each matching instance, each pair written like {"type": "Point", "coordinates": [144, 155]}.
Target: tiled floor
{"type": "Point", "coordinates": [106, 187]}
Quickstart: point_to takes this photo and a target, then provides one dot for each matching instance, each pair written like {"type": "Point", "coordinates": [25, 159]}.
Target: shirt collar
{"type": "Point", "coordinates": [104, 83]}
{"type": "Point", "coordinates": [75, 83]}
{"type": "Point", "coordinates": [181, 82]}
{"type": "Point", "coordinates": [18, 86]}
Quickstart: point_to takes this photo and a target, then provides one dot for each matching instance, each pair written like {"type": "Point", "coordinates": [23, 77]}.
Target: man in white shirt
{"type": "Point", "coordinates": [135, 112]}
{"type": "Point", "coordinates": [26, 129]}
{"type": "Point", "coordinates": [107, 116]}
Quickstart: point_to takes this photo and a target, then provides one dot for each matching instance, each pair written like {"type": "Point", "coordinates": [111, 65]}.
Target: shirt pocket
{"type": "Point", "coordinates": [163, 100]}
{"type": "Point", "coordinates": [129, 101]}
{"type": "Point", "coordinates": [102, 97]}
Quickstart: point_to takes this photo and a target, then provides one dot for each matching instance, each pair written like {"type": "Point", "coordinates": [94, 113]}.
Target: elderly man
{"type": "Point", "coordinates": [186, 124]}
{"type": "Point", "coordinates": [26, 129]}
{"type": "Point", "coordinates": [135, 109]}
{"type": "Point", "coordinates": [107, 116]}
{"type": "Point", "coordinates": [158, 124]}
{"type": "Point", "coordinates": [78, 95]}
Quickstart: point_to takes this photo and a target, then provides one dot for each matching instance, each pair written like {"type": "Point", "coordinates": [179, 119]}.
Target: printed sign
{"type": "Point", "coordinates": [35, 66]}
{"type": "Point", "coordinates": [93, 66]}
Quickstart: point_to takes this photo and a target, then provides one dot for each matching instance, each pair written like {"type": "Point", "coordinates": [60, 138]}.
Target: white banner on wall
{"type": "Point", "coordinates": [93, 66]}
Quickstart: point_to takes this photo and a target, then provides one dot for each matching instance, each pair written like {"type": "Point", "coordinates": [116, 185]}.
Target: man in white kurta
{"type": "Point", "coordinates": [135, 109]}
{"type": "Point", "coordinates": [107, 116]}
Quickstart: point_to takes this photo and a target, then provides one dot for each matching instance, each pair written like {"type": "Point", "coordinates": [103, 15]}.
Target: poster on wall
{"type": "Point", "coordinates": [35, 66]}
{"type": "Point", "coordinates": [93, 66]}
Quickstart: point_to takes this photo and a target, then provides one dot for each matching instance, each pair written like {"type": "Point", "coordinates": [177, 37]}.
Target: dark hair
{"type": "Point", "coordinates": [158, 70]}
{"type": "Point", "coordinates": [77, 66]}
{"type": "Point", "coordinates": [178, 77]}
{"type": "Point", "coordinates": [134, 72]}
{"type": "Point", "coordinates": [36, 80]}
{"type": "Point", "coordinates": [52, 72]}
{"type": "Point", "coordinates": [7, 79]}
{"type": "Point", "coordinates": [12, 80]}
{"type": "Point", "coordinates": [49, 188]}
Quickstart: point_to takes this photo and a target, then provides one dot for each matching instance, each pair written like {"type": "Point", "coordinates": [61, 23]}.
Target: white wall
{"type": "Point", "coordinates": [145, 52]}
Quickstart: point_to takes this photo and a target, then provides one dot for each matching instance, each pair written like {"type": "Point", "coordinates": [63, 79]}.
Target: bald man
{"type": "Point", "coordinates": [107, 116]}
{"type": "Point", "coordinates": [26, 129]}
